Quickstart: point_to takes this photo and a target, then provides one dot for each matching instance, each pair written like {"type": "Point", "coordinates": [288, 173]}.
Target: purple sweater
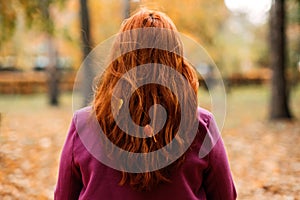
{"type": "Point", "coordinates": [205, 173]}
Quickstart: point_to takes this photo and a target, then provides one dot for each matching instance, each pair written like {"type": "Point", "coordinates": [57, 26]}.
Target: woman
{"type": "Point", "coordinates": [148, 42]}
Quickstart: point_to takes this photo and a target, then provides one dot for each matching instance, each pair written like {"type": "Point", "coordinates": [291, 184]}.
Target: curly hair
{"type": "Point", "coordinates": [145, 96]}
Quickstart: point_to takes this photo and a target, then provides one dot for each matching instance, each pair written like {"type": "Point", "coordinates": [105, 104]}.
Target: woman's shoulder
{"type": "Point", "coordinates": [85, 119]}
{"type": "Point", "coordinates": [205, 117]}
{"type": "Point", "coordinates": [83, 112]}
{"type": "Point", "coordinates": [208, 131]}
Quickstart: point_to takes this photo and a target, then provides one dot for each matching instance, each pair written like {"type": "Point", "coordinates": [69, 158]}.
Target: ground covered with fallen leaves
{"type": "Point", "coordinates": [264, 156]}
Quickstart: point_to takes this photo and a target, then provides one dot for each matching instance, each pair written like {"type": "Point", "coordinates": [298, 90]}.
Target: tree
{"type": "Point", "coordinates": [293, 41]}
{"type": "Point", "coordinates": [126, 8]}
{"type": "Point", "coordinates": [87, 90]}
{"type": "Point", "coordinates": [279, 107]}
{"type": "Point", "coordinates": [8, 17]}
{"type": "Point", "coordinates": [37, 13]}
{"type": "Point", "coordinates": [53, 73]}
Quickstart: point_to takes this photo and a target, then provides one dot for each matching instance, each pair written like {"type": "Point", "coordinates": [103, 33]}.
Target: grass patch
{"type": "Point", "coordinates": [243, 103]}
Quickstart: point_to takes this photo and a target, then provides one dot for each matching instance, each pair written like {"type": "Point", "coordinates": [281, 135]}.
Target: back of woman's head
{"type": "Point", "coordinates": [147, 39]}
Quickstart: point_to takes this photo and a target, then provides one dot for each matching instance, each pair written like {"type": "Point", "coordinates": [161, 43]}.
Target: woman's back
{"type": "Point", "coordinates": [82, 176]}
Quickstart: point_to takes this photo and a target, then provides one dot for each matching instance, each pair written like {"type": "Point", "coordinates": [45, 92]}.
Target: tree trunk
{"type": "Point", "coordinates": [126, 9]}
{"type": "Point", "coordinates": [53, 73]}
{"type": "Point", "coordinates": [279, 93]}
{"type": "Point", "coordinates": [87, 80]}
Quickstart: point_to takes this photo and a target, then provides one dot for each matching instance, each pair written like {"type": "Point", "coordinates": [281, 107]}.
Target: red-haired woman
{"type": "Point", "coordinates": [192, 168]}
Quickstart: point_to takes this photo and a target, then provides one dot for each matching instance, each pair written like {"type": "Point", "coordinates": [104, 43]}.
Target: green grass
{"type": "Point", "coordinates": [243, 103]}
{"type": "Point", "coordinates": [249, 103]}
{"type": "Point", "coordinates": [32, 102]}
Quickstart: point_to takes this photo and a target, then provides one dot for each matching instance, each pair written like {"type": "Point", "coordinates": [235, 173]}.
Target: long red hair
{"type": "Point", "coordinates": [144, 97]}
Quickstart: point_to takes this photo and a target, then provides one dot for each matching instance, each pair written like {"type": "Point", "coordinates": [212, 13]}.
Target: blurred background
{"type": "Point", "coordinates": [255, 45]}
